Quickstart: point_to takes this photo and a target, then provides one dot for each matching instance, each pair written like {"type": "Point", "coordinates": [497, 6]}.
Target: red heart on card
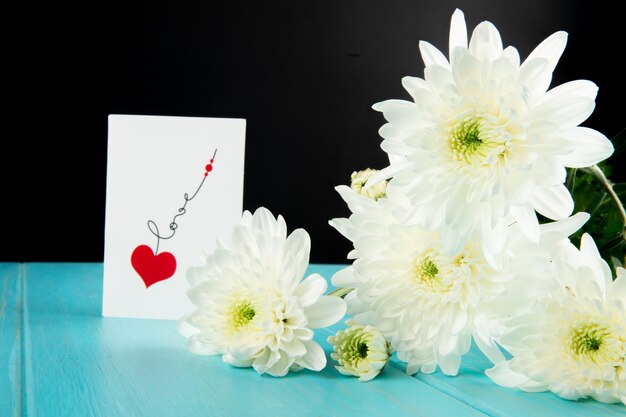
{"type": "Point", "coordinates": [150, 267]}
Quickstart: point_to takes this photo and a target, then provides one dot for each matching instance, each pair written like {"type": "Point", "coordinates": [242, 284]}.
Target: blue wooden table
{"type": "Point", "coordinates": [59, 357]}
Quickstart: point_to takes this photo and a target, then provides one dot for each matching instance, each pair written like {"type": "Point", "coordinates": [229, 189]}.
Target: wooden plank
{"type": "Point", "coordinates": [80, 364]}
{"type": "Point", "coordinates": [10, 341]}
{"type": "Point", "coordinates": [472, 387]}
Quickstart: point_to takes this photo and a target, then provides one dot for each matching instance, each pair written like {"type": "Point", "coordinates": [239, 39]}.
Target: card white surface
{"type": "Point", "coordinates": [153, 162]}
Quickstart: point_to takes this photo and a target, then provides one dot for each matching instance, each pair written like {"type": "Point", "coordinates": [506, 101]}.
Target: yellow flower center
{"type": "Point", "coordinates": [360, 350]}
{"type": "Point", "coordinates": [354, 348]}
{"type": "Point", "coordinates": [241, 313]}
{"type": "Point", "coordinates": [426, 270]}
{"type": "Point", "coordinates": [427, 273]}
{"type": "Point", "coordinates": [587, 339]}
{"type": "Point", "coordinates": [593, 343]}
{"type": "Point", "coordinates": [478, 139]}
{"type": "Point", "coordinates": [363, 349]}
{"type": "Point", "coordinates": [466, 136]}
{"type": "Point", "coordinates": [360, 178]}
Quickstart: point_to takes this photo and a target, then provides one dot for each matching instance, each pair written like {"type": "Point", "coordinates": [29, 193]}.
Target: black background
{"type": "Point", "coordinates": [303, 73]}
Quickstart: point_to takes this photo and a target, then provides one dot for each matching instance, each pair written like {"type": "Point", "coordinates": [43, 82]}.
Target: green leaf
{"type": "Point", "coordinates": [619, 143]}
{"type": "Point", "coordinates": [571, 179]}
{"type": "Point", "coordinates": [606, 168]}
{"type": "Point", "coordinates": [606, 225]}
{"type": "Point", "coordinates": [620, 190]}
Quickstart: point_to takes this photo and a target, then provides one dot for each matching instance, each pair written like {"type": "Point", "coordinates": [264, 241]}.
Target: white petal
{"type": "Point", "coordinates": [568, 226]}
{"type": "Point", "coordinates": [246, 218]}
{"type": "Point", "coordinates": [549, 170]}
{"type": "Point", "coordinates": [493, 236]}
{"type": "Point", "coordinates": [512, 55]}
{"type": "Point", "coordinates": [618, 289]}
{"type": "Point", "coordinates": [591, 257]}
{"type": "Point", "coordinates": [199, 345]}
{"type": "Point", "coordinates": [413, 85]}
{"type": "Point", "coordinates": [295, 348]}
{"type": "Point", "coordinates": [326, 311]}
{"type": "Point", "coordinates": [345, 278]}
{"type": "Point", "coordinates": [344, 371]}
{"type": "Point", "coordinates": [299, 241]}
{"type": "Point", "coordinates": [395, 147]}
{"type": "Point", "coordinates": [518, 187]}
{"type": "Point", "coordinates": [503, 375]}
{"type": "Point", "coordinates": [459, 321]}
{"type": "Point", "coordinates": [314, 359]}
{"type": "Point", "coordinates": [412, 368]}
{"type": "Point", "coordinates": [281, 367]}
{"type": "Point", "coordinates": [295, 367]}
{"type": "Point", "coordinates": [458, 31]}
{"type": "Point", "coordinates": [528, 223]}
{"type": "Point", "coordinates": [438, 77]}
{"type": "Point", "coordinates": [310, 290]}
{"type": "Point", "coordinates": [566, 110]}
{"type": "Point", "coordinates": [455, 207]}
{"type": "Point", "coordinates": [401, 112]}
{"type": "Point", "coordinates": [388, 172]}
{"type": "Point", "coordinates": [243, 241]}
{"type": "Point", "coordinates": [569, 255]}
{"type": "Point", "coordinates": [466, 69]}
{"type": "Point", "coordinates": [368, 376]}
{"type": "Point", "coordinates": [394, 133]}
{"type": "Point", "coordinates": [491, 350]}
{"type": "Point", "coordinates": [535, 75]}
{"type": "Point", "coordinates": [553, 202]}
{"type": "Point", "coordinates": [263, 220]}
{"type": "Point", "coordinates": [196, 274]}
{"type": "Point", "coordinates": [427, 368]}
{"type": "Point", "coordinates": [447, 342]}
{"type": "Point", "coordinates": [186, 326]}
{"type": "Point", "coordinates": [265, 360]}
{"type": "Point", "coordinates": [432, 55]}
{"type": "Point", "coordinates": [450, 364]}
{"type": "Point", "coordinates": [453, 240]}
{"type": "Point", "coordinates": [564, 92]}
{"type": "Point", "coordinates": [244, 350]}
{"type": "Point", "coordinates": [589, 285]}
{"type": "Point", "coordinates": [502, 70]}
{"type": "Point", "coordinates": [485, 40]}
{"type": "Point", "coordinates": [203, 293]}
{"type": "Point", "coordinates": [587, 147]}
{"type": "Point", "coordinates": [550, 49]}
{"type": "Point", "coordinates": [343, 226]}
{"type": "Point", "coordinates": [241, 363]}
{"type": "Point", "coordinates": [355, 201]}
{"type": "Point", "coordinates": [303, 333]}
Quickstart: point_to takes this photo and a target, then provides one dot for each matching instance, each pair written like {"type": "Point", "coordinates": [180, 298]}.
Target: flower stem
{"type": "Point", "coordinates": [341, 292]}
{"type": "Point", "coordinates": [597, 172]}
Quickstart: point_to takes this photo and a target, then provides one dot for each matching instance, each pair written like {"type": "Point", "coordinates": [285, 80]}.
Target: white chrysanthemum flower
{"type": "Point", "coordinates": [484, 141]}
{"type": "Point", "coordinates": [361, 351]}
{"type": "Point", "coordinates": [358, 179]}
{"type": "Point", "coordinates": [253, 307]}
{"type": "Point", "coordinates": [427, 303]}
{"type": "Point", "coordinates": [573, 341]}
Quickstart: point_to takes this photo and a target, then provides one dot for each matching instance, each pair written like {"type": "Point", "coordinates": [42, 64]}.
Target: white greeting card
{"type": "Point", "coordinates": [174, 186]}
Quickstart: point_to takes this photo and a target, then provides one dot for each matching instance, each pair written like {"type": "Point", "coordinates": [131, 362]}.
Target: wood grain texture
{"type": "Point", "coordinates": [472, 387]}
{"type": "Point", "coordinates": [10, 341]}
{"type": "Point", "coordinates": [75, 363]}
{"type": "Point", "coordinates": [80, 364]}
